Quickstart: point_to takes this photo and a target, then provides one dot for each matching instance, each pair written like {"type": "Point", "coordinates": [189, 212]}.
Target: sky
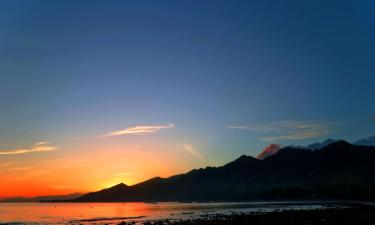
{"type": "Point", "coordinates": [94, 93]}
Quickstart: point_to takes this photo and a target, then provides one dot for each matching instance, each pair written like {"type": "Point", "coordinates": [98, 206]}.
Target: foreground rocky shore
{"type": "Point", "coordinates": [353, 215]}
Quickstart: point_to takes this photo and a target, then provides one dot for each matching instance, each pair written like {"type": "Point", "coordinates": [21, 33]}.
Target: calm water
{"type": "Point", "coordinates": [112, 213]}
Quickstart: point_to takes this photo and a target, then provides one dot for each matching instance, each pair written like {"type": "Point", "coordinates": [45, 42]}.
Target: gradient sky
{"type": "Point", "coordinates": [93, 93]}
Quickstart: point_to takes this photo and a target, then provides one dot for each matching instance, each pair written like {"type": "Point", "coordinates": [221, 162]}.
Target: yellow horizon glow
{"type": "Point", "coordinates": [91, 166]}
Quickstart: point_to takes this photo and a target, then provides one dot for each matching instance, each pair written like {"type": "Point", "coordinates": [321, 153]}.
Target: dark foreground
{"type": "Point", "coordinates": [354, 215]}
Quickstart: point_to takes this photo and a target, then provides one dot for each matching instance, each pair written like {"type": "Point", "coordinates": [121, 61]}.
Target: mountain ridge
{"type": "Point", "coordinates": [369, 141]}
{"type": "Point", "coordinates": [332, 171]}
{"type": "Point", "coordinates": [42, 198]}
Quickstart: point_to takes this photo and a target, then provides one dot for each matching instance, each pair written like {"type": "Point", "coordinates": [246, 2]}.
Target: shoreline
{"type": "Point", "coordinates": [260, 213]}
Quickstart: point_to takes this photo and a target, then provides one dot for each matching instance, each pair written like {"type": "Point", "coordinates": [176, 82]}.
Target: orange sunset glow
{"type": "Point", "coordinates": [109, 163]}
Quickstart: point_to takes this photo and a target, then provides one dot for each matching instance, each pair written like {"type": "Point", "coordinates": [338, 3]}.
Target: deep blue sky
{"type": "Point", "coordinates": [232, 76]}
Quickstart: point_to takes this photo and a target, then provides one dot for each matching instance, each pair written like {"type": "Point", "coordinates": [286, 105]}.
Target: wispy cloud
{"type": "Point", "coordinates": [144, 129]}
{"type": "Point", "coordinates": [38, 147]}
{"type": "Point", "coordinates": [190, 148]}
{"type": "Point", "coordinates": [290, 129]}
{"type": "Point", "coordinates": [263, 128]}
{"type": "Point", "coordinates": [42, 143]}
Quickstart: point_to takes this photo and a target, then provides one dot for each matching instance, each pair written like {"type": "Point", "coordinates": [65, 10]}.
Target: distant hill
{"type": "Point", "coordinates": [274, 148]}
{"type": "Point", "coordinates": [338, 170]}
{"type": "Point", "coordinates": [320, 145]}
{"type": "Point", "coordinates": [268, 151]}
{"type": "Point", "coordinates": [369, 141]}
{"type": "Point", "coordinates": [43, 198]}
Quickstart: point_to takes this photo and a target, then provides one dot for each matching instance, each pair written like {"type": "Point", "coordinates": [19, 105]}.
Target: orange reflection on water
{"type": "Point", "coordinates": [50, 213]}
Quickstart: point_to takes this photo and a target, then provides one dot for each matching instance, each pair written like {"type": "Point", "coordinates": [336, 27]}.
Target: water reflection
{"type": "Point", "coordinates": [62, 213]}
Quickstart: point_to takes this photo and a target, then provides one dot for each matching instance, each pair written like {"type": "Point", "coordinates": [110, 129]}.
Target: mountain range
{"type": "Point", "coordinates": [369, 141]}
{"type": "Point", "coordinates": [274, 148]}
{"type": "Point", "coordinates": [42, 198]}
{"type": "Point", "coordinates": [337, 170]}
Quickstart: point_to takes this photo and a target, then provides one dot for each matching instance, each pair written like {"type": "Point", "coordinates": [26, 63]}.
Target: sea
{"type": "Point", "coordinates": [114, 213]}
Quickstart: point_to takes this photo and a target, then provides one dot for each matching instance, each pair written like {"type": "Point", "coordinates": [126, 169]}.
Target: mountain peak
{"type": "Point", "coordinates": [242, 157]}
{"type": "Point", "coordinates": [369, 141]}
{"type": "Point", "coordinates": [120, 185]}
{"type": "Point", "coordinates": [320, 145]}
{"type": "Point", "coordinates": [339, 144]}
{"type": "Point", "coordinates": [269, 151]}
{"type": "Point", "coordinates": [242, 160]}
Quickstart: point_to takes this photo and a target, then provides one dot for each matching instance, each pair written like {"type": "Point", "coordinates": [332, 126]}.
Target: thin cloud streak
{"type": "Point", "coordinates": [139, 130]}
{"type": "Point", "coordinates": [42, 143]}
{"type": "Point", "coordinates": [290, 129]}
{"type": "Point", "coordinates": [190, 148]}
{"type": "Point", "coordinates": [38, 147]}
{"type": "Point", "coordinates": [297, 135]}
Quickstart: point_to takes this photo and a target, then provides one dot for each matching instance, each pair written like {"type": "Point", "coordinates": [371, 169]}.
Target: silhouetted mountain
{"type": "Point", "coordinates": [339, 170]}
{"type": "Point", "coordinates": [320, 145]}
{"type": "Point", "coordinates": [43, 198]}
{"type": "Point", "coordinates": [111, 194]}
{"type": "Point", "coordinates": [369, 141]}
{"type": "Point", "coordinates": [317, 145]}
